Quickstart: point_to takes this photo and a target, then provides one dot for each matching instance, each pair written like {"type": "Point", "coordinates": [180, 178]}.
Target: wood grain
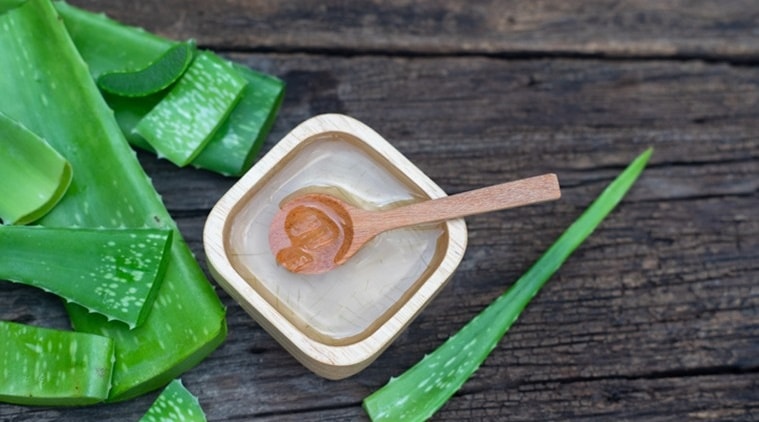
{"type": "Point", "coordinates": [655, 317]}
{"type": "Point", "coordinates": [639, 28]}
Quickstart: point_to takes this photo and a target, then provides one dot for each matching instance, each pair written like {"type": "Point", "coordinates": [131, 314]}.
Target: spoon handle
{"type": "Point", "coordinates": [492, 198]}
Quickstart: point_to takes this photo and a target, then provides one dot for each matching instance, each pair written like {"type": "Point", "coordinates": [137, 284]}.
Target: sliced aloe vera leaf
{"type": "Point", "coordinates": [47, 87]}
{"type": "Point", "coordinates": [101, 41]}
{"type": "Point", "coordinates": [47, 367]}
{"type": "Point", "coordinates": [33, 176]}
{"type": "Point", "coordinates": [185, 120]}
{"type": "Point", "coordinates": [153, 78]}
{"type": "Point", "coordinates": [175, 403]}
{"type": "Point", "coordinates": [425, 387]}
{"type": "Point", "coordinates": [114, 272]}
{"type": "Point", "coordinates": [238, 141]}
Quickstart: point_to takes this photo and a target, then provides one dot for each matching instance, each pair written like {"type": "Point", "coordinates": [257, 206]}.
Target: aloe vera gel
{"type": "Point", "coordinates": [345, 303]}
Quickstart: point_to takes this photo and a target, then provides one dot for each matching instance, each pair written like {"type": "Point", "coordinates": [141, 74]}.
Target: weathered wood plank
{"type": "Point", "coordinates": [641, 28]}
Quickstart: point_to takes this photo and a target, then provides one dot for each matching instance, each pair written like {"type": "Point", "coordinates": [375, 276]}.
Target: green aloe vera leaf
{"type": "Point", "coordinates": [238, 141]}
{"type": "Point", "coordinates": [420, 391]}
{"type": "Point", "coordinates": [181, 125]}
{"type": "Point", "coordinates": [114, 272]}
{"type": "Point", "coordinates": [6, 5]}
{"type": "Point", "coordinates": [129, 111]}
{"type": "Point", "coordinates": [47, 87]}
{"type": "Point", "coordinates": [175, 403]}
{"type": "Point", "coordinates": [108, 46]}
{"type": "Point", "coordinates": [47, 367]}
{"type": "Point", "coordinates": [153, 78]}
{"type": "Point", "coordinates": [33, 175]}
{"type": "Point", "coordinates": [235, 145]}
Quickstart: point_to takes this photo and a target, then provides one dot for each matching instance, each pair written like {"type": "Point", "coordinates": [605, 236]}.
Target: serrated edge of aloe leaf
{"type": "Point", "coordinates": [420, 391]}
{"type": "Point", "coordinates": [155, 77]}
{"type": "Point", "coordinates": [112, 272]}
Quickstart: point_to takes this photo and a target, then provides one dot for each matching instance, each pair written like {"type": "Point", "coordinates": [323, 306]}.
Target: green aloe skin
{"type": "Point", "coordinates": [238, 141]}
{"type": "Point", "coordinates": [153, 78]}
{"type": "Point", "coordinates": [46, 367]}
{"type": "Point", "coordinates": [183, 122]}
{"type": "Point", "coordinates": [114, 272]}
{"type": "Point", "coordinates": [47, 87]}
{"type": "Point", "coordinates": [33, 175]}
{"type": "Point", "coordinates": [6, 5]}
{"type": "Point", "coordinates": [420, 391]}
{"type": "Point", "coordinates": [175, 403]}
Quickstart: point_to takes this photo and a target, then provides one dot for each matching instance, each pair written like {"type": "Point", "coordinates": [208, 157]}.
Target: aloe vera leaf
{"type": "Point", "coordinates": [6, 5]}
{"type": "Point", "coordinates": [153, 78]}
{"type": "Point", "coordinates": [47, 367]}
{"type": "Point", "coordinates": [420, 391]}
{"type": "Point", "coordinates": [108, 46]}
{"type": "Point", "coordinates": [33, 176]}
{"type": "Point", "coordinates": [181, 125]}
{"type": "Point", "coordinates": [129, 111]}
{"type": "Point", "coordinates": [175, 403]}
{"type": "Point", "coordinates": [46, 86]}
{"type": "Point", "coordinates": [234, 146]}
{"type": "Point", "coordinates": [238, 141]}
{"type": "Point", "coordinates": [114, 272]}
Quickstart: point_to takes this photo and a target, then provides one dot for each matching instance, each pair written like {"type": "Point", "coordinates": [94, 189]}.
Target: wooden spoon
{"type": "Point", "coordinates": [315, 233]}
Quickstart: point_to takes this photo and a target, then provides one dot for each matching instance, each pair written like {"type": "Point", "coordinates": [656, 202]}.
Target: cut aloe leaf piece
{"type": "Point", "coordinates": [33, 176]}
{"type": "Point", "coordinates": [47, 87]}
{"type": "Point", "coordinates": [185, 120]}
{"type": "Point", "coordinates": [238, 141]}
{"type": "Point", "coordinates": [421, 390]}
{"type": "Point", "coordinates": [153, 78]}
{"type": "Point", "coordinates": [175, 403]}
{"type": "Point", "coordinates": [46, 367]}
{"type": "Point", "coordinates": [114, 272]}
{"type": "Point", "coordinates": [107, 45]}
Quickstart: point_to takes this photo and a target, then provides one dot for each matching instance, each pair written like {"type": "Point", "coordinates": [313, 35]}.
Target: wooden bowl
{"type": "Point", "coordinates": [335, 323]}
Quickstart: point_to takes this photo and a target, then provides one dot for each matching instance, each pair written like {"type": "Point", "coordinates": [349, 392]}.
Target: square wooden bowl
{"type": "Point", "coordinates": [335, 323]}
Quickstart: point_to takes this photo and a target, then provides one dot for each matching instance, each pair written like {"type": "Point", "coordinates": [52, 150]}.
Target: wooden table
{"type": "Point", "coordinates": [655, 317]}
